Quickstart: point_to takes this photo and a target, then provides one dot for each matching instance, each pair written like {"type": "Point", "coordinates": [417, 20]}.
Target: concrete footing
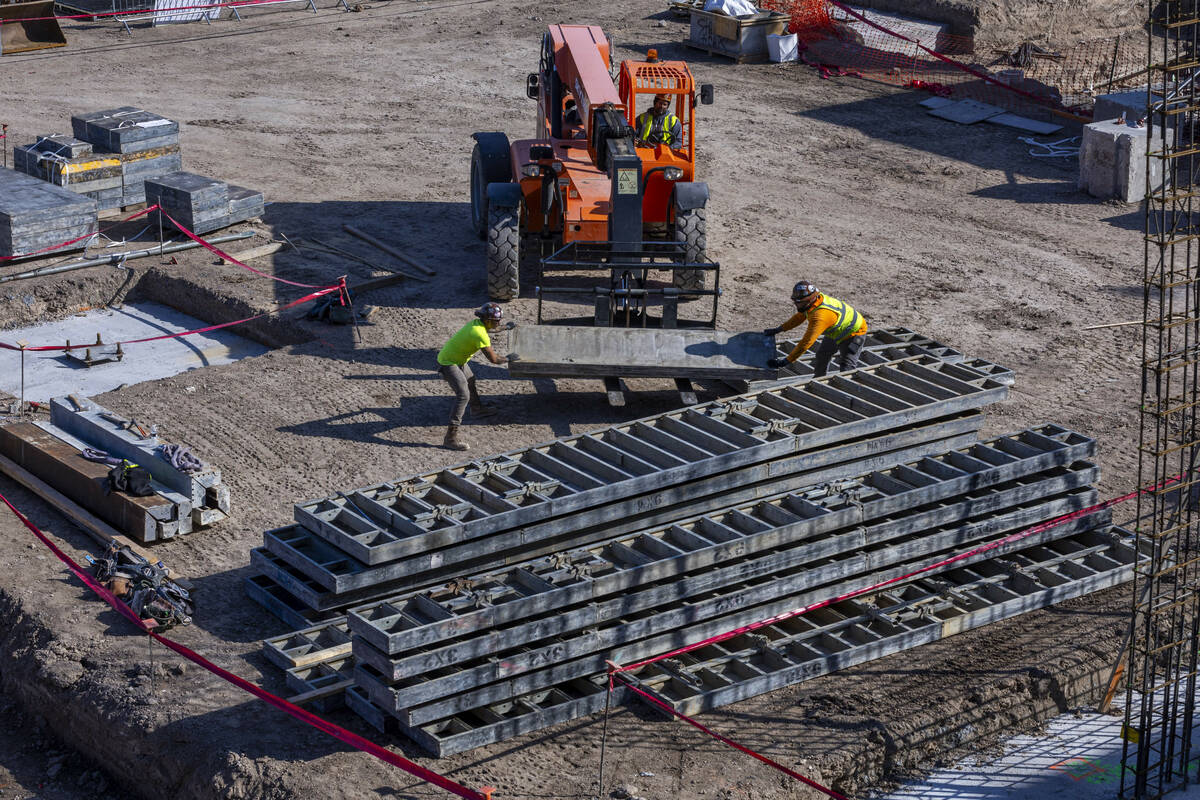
{"type": "Point", "coordinates": [1112, 161]}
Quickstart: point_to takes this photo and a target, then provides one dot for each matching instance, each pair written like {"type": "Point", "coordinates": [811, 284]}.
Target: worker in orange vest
{"type": "Point", "coordinates": [844, 329]}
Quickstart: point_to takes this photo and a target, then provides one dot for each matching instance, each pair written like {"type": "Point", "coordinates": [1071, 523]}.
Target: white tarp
{"type": "Point", "coordinates": [734, 8]}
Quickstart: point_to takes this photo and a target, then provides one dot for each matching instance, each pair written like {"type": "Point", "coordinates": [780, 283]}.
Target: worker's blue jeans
{"type": "Point", "coordinates": [462, 383]}
{"type": "Point", "coordinates": [848, 348]}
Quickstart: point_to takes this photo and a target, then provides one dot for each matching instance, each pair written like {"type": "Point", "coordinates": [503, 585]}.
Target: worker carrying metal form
{"type": "Point", "coordinates": [453, 364]}
{"type": "Point", "coordinates": [843, 329]}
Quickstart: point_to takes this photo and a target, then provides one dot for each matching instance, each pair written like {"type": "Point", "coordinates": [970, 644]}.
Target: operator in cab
{"type": "Point", "coordinates": [658, 125]}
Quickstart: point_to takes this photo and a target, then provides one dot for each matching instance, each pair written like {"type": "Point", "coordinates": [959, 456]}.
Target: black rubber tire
{"type": "Point", "coordinates": [479, 198]}
{"type": "Point", "coordinates": [690, 231]}
{"type": "Point", "coordinates": [503, 253]}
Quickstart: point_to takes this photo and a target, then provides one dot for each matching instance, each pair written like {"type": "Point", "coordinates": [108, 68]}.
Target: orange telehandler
{"type": "Point", "coordinates": [586, 190]}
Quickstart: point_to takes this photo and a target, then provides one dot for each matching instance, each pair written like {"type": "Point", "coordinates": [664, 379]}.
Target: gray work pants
{"type": "Point", "coordinates": [849, 349]}
{"type": "Point", "coordinates": [462, 383]}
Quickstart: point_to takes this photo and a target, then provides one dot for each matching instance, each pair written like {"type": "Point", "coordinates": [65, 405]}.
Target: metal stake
{"type": "Point", "coordinates": [160, 234]}
{"type": "Point", "coordinates": [604, 730]}
{"type": "Point", "coordinates": [21, 408]}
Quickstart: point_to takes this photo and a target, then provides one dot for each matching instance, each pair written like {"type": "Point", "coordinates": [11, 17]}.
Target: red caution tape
{"type": "Point", "coordinates": [339, 733]}
{"type": "Point", "coordinates": [172, 10]}
{"type": "Point", "coordinates": [791, 773]}
{"type": "Point", "coordinates": [233, 260]}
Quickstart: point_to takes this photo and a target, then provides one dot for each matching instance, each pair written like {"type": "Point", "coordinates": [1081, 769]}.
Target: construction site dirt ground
{"type": "Point", "coordinates": [365, 118]}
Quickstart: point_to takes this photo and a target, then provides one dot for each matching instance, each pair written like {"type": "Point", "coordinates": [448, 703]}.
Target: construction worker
{"type": "Point", "coordinates": [842, 326]}
{"type": "Point", "coordinates": [452, 364]}
{"type": "Point", "coordinates": [658, 126]}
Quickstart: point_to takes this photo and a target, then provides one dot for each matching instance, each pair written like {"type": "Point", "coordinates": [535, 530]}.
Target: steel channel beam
{"type": "Point", "coordinates": [288, 593]}
{"type": "Point", "coordinates": [538, 588]}
{"type": "Point", "coordinates": [655, 630]}
{"type": "Point", "coordinates": [331, 568]}
{"type": "Point", "coordinates": [563, 703]}
{"type": "Point", "coordinates": [693, 683]}
{"type": "Point", "coordinates": [763, 427]}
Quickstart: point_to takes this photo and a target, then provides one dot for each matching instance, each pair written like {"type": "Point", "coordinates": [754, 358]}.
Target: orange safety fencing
{"type": "Point", "coordinates": [924, 55]}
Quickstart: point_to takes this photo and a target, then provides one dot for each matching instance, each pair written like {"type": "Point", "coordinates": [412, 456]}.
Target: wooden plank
{"type": "Point", "coordinates": [254, 252]}
{"type": "Point", "coordinates": [85, 482]}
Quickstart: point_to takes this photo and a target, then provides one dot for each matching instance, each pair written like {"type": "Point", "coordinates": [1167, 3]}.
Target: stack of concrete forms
{"type": "Point", "coordinates": [461, 666]}
{"type": "Point", "coordinates": [481, 659]}
{"type": "Point", "coordinates": [147, 146]}
{"type": "Point", "coordinates": [203, 204]}
{"type": "Point", "coordinates": [183, 501]}
{"type": "Point", "coordinates": [402, 535]}
{"type": "Point", "coordinates": [35, 215]}
{"type": "Point", "coordinates": [108, 158]}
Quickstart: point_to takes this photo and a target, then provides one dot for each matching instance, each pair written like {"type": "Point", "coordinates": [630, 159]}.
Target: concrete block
{"type": "Point", "coordinates": [63, 145]}
{"type": "Point", "coordinates": [125, 130]}
{"type": "Point", "coordinates": [1112, 161]}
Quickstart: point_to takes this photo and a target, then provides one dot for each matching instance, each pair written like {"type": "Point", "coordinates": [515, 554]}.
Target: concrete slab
{"type": "Point", "coordinates": [966, 112]}
{"type": "Point", "coordinates": [1024, 124]}
{"type": "Point", "coordinates": [51, 374]}
{"type": "Point", "coordinates": [563, 351]}
{"type": "Point", "coordinates": [1112, 161]}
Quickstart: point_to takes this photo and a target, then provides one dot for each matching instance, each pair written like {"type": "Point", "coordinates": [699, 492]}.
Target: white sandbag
{"type": "Point", "coordinates": [782, 47]}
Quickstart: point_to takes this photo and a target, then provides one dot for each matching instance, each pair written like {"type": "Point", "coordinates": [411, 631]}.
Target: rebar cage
{"type": "Point", "coordinates": [1161, 686]}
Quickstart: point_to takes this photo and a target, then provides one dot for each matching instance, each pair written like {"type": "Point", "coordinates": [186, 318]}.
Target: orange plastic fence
{"type": "Point", "coordinates": [894, 50]}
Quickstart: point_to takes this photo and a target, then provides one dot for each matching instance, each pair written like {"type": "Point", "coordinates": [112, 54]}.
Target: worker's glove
{"type": "Point", "coordinates": [777, 363]}
{"type": "Point", "coordinates": [772, 331]}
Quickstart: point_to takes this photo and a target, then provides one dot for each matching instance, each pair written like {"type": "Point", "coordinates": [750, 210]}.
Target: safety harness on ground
{"type": "Point", "coordinates": [147, 588]}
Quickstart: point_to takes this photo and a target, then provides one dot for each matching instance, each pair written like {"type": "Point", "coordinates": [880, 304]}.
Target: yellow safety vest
{"type": "Point", "coordinates": [669, 122]}
{"type": "Point", "coordinates": [848, 319]}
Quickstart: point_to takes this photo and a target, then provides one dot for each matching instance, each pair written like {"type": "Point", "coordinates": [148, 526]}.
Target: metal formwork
{"type": "Point", "coordinates": [413, 517]}
{"type": "Point", "coordinates": [856, 563]}
{"type": "Point", "coordinates": [924, 611]}
{"type": "Point", "coordinates": [327, 641]}
{"type": "Point", "coordinates": [327, 577]}
{"type": "Point", "coordinates": [957, 600]}
{"type": "Point", "coordinates": [551, 585]}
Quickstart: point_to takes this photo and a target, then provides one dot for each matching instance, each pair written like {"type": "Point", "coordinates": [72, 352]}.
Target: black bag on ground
{"type": "Point", "coordinates": [131, 479]}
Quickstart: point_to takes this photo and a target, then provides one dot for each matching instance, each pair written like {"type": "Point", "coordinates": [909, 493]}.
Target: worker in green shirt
{"type": "Point", "coordinates": [453, 366]}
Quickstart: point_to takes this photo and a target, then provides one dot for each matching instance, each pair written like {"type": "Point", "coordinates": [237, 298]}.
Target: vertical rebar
{"type": "Point", "coordinates": [1160, 697]}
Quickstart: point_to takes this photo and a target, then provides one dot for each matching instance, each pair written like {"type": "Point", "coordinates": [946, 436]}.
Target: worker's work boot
{"type": "Point", "coordinates": [452, 442]}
